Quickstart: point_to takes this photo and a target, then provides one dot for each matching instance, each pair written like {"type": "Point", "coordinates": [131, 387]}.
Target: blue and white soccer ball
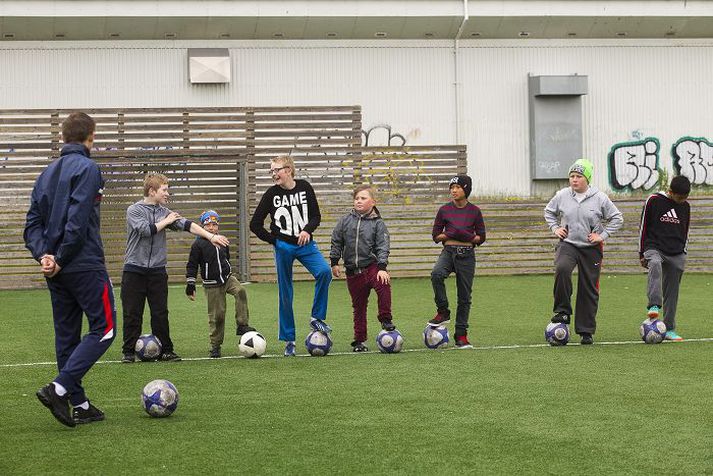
{"type": "Point", "coordinates": [252, 345]}
{"type": "Point", "coordinates": [652, 331]}
{"type": "Point", "coordinates": [557, 333]}
{"type": "Point", "coordinates": [148, 347]}
{"type": "Point", "coordinates": [435, 337]}
{"type": "Point", "coordinates": [389, 342]}
{"type": "Point", "coordinates": [160, 398]}
{"type": "Point", "coordinates": [318, 343]}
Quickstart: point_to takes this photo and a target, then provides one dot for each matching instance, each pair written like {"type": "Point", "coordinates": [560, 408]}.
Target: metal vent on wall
{"type": "Point", "coordinates": [209, 65]}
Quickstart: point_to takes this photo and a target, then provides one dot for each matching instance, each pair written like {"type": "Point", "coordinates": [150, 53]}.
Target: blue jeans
{"type": "Point", "coordinates": [312, 259]}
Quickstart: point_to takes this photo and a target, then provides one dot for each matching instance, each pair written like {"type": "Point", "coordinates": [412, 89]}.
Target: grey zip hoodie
{"type": "Point", "coordinates": [146, 248]}
{"type": "Point", "coordinates": [361, 240]}
{"type": "Point", "coordinates": [595, 214]}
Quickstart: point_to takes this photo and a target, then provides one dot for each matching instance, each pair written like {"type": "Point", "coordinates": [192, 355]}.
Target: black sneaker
{"type": "Point", "coordinates": [560, 317]}
{"type": "Point", "coordinates": [128, 358]}
{"type": "Point", "coordinates": [440, 318]}
{"type": "Point", "coordinates": [359, 347]}
{"type": "Point", "coordinates": [243, 328]}
{"type": "Point", "coordinates": [215, 352]}
{"type": "Point", "coordinates": [388, 326]}
{"type": "Point", "coordinates": [80, 415]}
{"type": "Point", "coordinates": [169, 357]}
{"type": "Point", "coordinates": [586, 339]}
{"type": "Point", "coordinates": [59, 406]}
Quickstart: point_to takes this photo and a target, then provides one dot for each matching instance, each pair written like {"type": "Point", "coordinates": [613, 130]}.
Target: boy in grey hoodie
{"type": "Point", "coordinates": [361, 238]}
{"type": "Point", "coordinates": [582, 217]}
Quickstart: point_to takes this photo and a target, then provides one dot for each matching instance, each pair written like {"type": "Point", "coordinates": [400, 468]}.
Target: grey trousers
{"type": "Point", "coordinates": [665, 272]}
{"type": "Point", "coordinates": [216, 308]}
{"type": "Point", "coordinates": [589, 266]}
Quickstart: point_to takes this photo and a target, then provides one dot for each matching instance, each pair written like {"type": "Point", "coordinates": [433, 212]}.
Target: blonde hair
{"type": "Point", "coordinates": [368, 188]}
{"type": "Point", "coordinates": [286, 161]}
{"type": "Point", "coordinates": [153, 181]}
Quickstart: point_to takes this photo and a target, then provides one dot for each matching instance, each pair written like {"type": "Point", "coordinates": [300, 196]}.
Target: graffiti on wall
{"type": "Point", "coordinates": [634, 165]}
{"type": "Point", "coordinates": [381, 135]}
{"type": "Point", "coordinates": [693, 157]}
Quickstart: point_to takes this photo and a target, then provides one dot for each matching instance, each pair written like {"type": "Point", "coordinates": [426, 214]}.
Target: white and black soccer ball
{"type": "Point", "coordinates": [557, 333]}
{"type": "Point", "coordinates": [652, 331]}
{"type": "Point", "coordinates": [148, 347]}
{"type": "Point", "coordinates": [159, 398]}
{"type": "Point", "coordinates": [252, 345]}
{"type": "Point", "coordinates": [318, 343]}
{"type": "Point", "coordinates": [435, 337]}
{"type": "Point", "coordinates": [389, 342]}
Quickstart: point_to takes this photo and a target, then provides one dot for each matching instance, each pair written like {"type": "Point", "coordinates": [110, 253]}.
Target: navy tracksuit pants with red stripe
{"type": "Point", "coordinates": [74, 294]}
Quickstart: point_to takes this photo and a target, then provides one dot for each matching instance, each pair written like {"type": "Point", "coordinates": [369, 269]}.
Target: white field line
{"type": "Point", "coordinates": [476, 348]}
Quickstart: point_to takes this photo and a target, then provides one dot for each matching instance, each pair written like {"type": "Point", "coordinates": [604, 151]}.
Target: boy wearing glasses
{"type": "Point", "coordinates": [294, 216]}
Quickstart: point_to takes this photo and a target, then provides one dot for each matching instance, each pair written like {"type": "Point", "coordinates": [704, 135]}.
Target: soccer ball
{"type": "Point", "coordinates": [652, 331]}
{"type": "Point", "coordinates": [557, 333]}
{"type": "Point", "coordinates": [160, 398]}
{"type": "Point", "coordinates": [389, 341]}
{"type": "Point", "coordinates": [148, 347]}
{"type": "Point", "coordinates": [252, 345]}
{"type": "Point", "coordinates": [318, 343]}
{"type": "Point", "coordinates": [435, 337]}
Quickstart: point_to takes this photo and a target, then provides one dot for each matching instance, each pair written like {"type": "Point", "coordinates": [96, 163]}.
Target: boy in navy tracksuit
{"type": "Point", "coordinates": [218, 280]}
{"type": "Point", "coordinates": [663, 237]}
{"type": "Point", "coordinates": [62, 233]}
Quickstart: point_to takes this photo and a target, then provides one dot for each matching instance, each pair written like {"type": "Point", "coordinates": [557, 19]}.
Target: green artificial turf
{"type": "Point", "coordinates": [510, 406]}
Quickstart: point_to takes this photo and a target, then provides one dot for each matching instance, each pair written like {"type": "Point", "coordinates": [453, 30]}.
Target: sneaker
{"type": "Point", "coordinates": [359, 347]}
{"type": "Point", "coordinates": [169, 357]}
{"type": "Point", "coordinates": [388, 326]}
{"type": "Point", "coordinates": [80, 415]}
{"type": "Point", "coordinates": [290, 349]}
{"type": "Point", "coordinates": [128, 358]}
{"type": "Point", "coordinates": [586, 339]}
{"type": "Point", "coordinates": [560, 317]}
{"type": "Point", "coordinates": [243, 328]}
{"type": "Point", "coordinates": [671, 335]}
{"type": "Point", "coordinates": [653, 312]}
{"type": "Point", "coordinates": [214, 352]}
{"type": "Point", "coordinates": [59, 406]}
{"type": "Point", "coordinates": [320, 325]}
{"type": "Point", "coordinates": [462, 342]}
{"type": "Point", "coordinates": [440, 318]}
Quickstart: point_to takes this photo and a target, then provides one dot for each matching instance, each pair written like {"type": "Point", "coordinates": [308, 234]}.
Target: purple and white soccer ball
{"type": "Point", "coordinates": [557, 333]}
{"type": "Point", "coordinates": [160, 398]}
{"type": "Point", "coordinates": [652, 331]}
{"type": "Point", "coordinates": [318, 343]}
{"type": "Point", "coordinates": [389, 342]}
{"type": "Point", "coordinates": [148, 347]}
{"type": "Point", "coordinates": [252, 345]}
{"type": "Point", "coordinates": [435, 337]}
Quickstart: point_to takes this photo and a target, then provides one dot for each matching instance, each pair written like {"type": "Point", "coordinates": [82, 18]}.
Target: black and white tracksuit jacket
{"type": "Point", "coordinates": [213, 261]}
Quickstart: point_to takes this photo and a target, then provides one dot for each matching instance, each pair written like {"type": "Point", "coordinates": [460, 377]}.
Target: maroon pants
{"type": "Point", "coordinates": [360, 285]}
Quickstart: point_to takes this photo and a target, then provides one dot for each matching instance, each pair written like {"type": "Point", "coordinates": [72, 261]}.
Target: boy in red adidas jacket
{"type": "Point", "coordinates": [663, 238]}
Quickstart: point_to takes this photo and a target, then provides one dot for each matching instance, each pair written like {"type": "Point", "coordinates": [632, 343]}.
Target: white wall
{"type": "Point", "coordinates": [637, 88]}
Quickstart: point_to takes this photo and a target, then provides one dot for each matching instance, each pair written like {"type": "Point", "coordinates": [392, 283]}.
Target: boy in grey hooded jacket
{"type": "Point", "coordinates": [361, 238]}
{"type": "Point", "coordinates": [582, 217]}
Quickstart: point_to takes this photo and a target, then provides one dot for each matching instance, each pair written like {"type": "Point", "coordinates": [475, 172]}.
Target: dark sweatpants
{"type": "Point", "coordinates": [136, 289]}
{"type": "Point", "coordinates": [589, 265]}
{"type": "Point", "coordinates": [91, 293]}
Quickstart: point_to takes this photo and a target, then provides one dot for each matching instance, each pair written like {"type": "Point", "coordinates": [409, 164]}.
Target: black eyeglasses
{"type": "Point", "coordinates": [274, 171]}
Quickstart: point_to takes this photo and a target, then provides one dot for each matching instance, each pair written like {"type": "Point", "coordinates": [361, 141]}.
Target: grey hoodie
{"type": "Point", "coordinates": [361, 240]}
{"type": "Point", "coordinates": [595, 214]}
{"type": "Point", "coordinates": [146, 248]}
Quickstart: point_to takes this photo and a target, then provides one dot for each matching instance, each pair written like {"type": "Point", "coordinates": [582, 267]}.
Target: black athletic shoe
{"type": "Point", "coordinates": [359, 347]}
{"type": "Point", "coordinates": [128, 358]}
{"type": "Point", "coordinates": [59, 406]}
{"type": "Point", "coordinates": [586, 339]}
{"type": "Point", "coordinates": [89, 415]}
{"type": "Point", "coordinates": [215, 352]}
{"type": "Point", "coordinates": [388, 326]}
{"type": "Point", "coordinates": [169, 357]}
{"type": "Point", "coordinates": [560, 317]}
{"type": "Point", "coordinates": [243, 328]}
{"type": "Point", "coordinates": [441, 317]}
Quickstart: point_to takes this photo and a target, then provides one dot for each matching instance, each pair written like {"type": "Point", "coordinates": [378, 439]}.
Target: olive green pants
{"type": "Point", "coordinates": [216, 308]}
